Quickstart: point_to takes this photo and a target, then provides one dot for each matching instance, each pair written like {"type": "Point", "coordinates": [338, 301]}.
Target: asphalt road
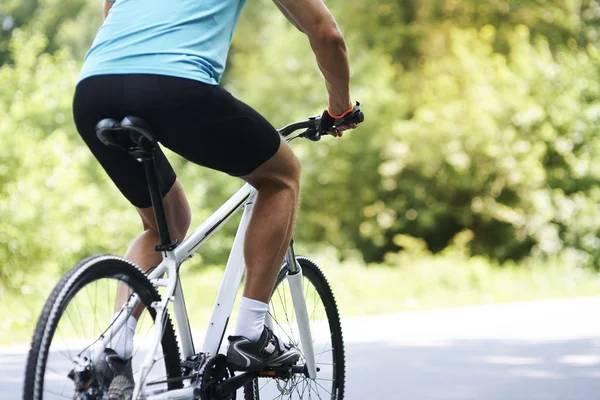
{"type": "Point", "coordinates": [546, 350]}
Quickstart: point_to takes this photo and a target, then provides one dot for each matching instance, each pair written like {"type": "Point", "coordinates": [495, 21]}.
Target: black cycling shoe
{"type": "Point", "coordinates": [268, 351]}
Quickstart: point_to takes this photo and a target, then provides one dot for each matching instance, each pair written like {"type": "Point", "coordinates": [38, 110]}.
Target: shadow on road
{"type": "Point", "coordinates": [442, 370]}
{"type": "Point", "coordinates": [475, 369]}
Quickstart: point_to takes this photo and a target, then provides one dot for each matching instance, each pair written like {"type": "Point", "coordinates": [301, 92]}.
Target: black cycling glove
{"type": "Point", "coordinates": [352, 116]}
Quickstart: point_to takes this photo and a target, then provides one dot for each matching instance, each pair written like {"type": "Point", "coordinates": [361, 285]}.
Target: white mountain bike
{"type": "Point", "coordinates": [78, 312]}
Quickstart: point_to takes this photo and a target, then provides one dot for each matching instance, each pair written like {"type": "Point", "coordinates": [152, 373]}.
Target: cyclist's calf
{"type": "Point", "coordinates": [270, 229]}
{"type": "Point", "coordinates": [177, 211]}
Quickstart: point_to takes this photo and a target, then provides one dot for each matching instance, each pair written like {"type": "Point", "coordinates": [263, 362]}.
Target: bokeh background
{"type": "Point", "coordinates": [474, 178]}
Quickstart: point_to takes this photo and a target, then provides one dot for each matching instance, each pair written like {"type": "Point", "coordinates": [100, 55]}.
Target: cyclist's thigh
{"type": "Point", "coordinates": [100, 97]}
{"type": "Point", "coordinates": [208, 126]}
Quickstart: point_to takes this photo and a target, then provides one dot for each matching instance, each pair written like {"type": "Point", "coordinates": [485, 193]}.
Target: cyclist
{"type": "Point", "coordinates": [162, 61]}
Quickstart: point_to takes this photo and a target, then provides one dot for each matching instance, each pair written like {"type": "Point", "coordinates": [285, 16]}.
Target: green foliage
{"type": "Point", "coordinates": [414, 28]}
{"type": "Point", "coordinates": [481, 117]}
{"type": "Point", "coordinates": [50, 210]}
{"type": "Point", "coordinates": [468, 139]}
{"type": "Point", "coordinates": [47, 18]}
{"type": "Point", "coordinates": [414, 279]}
{"type": "Point", "coordinates": [502, 125]}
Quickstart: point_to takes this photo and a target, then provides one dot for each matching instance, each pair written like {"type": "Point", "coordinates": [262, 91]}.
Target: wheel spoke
{"type": "Point", "coordinates": [325, 338]}
{"type": "Point", "coordinates": [57, 394]}
{"type": "Point", "coordinates": [284, 303]}
{"type": "Point", "coordinates": [323, 352]}
{"type": "Point", "coordinates": [266, 383]}
{"type": "Point", "coordinates": [295, 341]}
{"type": "Point", "coordinates": [322, 387]}
{"type": "Point", "coordinates": [316, 354]}
{"type": "Point", "coordinates": [282, 330]}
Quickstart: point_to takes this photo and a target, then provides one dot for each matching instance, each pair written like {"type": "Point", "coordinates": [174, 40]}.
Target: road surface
{"type": "Point", "coordinates": [545, 350]}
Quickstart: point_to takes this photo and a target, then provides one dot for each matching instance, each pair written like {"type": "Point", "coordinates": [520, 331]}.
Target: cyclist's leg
{"type": "Point", "coordinates": [270, 229]}
{"type": "Point", "coordinates": [267, 239]}
{"type": "Point", "coordinates": [142, 250]}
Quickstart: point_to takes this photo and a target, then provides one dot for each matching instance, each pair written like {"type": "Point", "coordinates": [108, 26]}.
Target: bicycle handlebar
{"type": "Point", "coordinates": [313, 125]}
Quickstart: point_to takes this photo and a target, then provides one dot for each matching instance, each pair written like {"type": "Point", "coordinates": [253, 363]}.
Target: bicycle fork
{"type": "Point", "coordinates": [295, 280]}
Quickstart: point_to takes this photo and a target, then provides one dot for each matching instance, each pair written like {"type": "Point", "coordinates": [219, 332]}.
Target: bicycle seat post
{"type": "Point", "coordinates": [134, 136]}
{"type": "Point", "coordinates": [159, 210]}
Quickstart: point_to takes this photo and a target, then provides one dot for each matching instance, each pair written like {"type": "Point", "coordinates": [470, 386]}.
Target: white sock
{"type": "Point", "coordinates": [122, 341]}
{"type": "Point", "coordinates": [251, 318]}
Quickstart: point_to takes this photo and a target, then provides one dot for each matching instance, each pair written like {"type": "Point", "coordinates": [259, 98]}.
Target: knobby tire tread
{"type": "Point", "coordinates": [88, 270]}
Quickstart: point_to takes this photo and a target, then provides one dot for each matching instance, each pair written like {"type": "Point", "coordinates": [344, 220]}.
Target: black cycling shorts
{"type": "Point", "coordinates": [203, 123]}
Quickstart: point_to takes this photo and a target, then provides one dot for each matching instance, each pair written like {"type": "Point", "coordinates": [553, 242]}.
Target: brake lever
{"type": "Point", "coordinates": [314, 134]}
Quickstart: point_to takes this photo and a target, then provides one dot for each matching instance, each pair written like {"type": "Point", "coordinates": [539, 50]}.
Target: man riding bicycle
{"type": "Point", "coordinates": [162, 61]}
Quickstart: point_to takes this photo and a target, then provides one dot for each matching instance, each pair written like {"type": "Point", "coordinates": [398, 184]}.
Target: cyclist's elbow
{"type": "Point", "coordinates": [328, 34]}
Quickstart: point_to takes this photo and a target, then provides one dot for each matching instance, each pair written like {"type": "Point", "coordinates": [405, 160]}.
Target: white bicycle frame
{"type": "Point", "coordinates": [243, 198]}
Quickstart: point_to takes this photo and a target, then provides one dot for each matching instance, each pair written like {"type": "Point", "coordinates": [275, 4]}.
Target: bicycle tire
{"type": "Point", "coordinates": [85, 272]}
{"type": "Point", "coordinates": [315, 277]}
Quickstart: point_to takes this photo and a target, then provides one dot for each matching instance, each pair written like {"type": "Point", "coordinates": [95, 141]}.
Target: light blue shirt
{"type": "Point", "coordinates": [182, 38]}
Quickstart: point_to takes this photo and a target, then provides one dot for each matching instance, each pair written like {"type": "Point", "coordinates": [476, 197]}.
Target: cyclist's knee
{"type": "Point", "coordinates": [292, 172]}
{"type": "Point", "coordinates": [280, 172]}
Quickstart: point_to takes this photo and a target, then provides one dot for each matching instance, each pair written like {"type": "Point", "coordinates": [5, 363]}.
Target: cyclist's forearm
{"type": "Point", "coordinates": [332, 58]}
{"type": "Point", "coordinates": [314, 19]}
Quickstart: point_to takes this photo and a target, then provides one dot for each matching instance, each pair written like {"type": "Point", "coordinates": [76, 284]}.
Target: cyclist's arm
{"type": "Point", "coordinates": [313, 18]}
{"type": "Point", "coordinates": [107, 5]}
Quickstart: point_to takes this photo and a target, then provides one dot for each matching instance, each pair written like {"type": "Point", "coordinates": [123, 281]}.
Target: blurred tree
{"type": "Point", "coordinates": [48, 18]}
{"type": "Point", "coordinates": [415, 28]}
{"type": "Point", "coordinates": [13, 13]}
{"type": "Point", "coordinates": [461, 141]}
{"type": "Point", "coordinates": [481, 116]}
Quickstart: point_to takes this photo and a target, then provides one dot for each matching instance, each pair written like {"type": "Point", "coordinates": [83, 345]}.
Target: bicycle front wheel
{"type": "Point", "coordinates": [76, 316]}
{"type": "Point", "coordinates": [327, 338]}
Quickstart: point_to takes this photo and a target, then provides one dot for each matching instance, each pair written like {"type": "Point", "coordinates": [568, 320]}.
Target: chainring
{"type": "Point", "coordinates": [213, 372]}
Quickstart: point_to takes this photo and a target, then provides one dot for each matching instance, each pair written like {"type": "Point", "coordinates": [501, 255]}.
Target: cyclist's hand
{"type": "Point", "coordinates": [335, 124]}
{"type": "Point", "coordinates": [339, 130]}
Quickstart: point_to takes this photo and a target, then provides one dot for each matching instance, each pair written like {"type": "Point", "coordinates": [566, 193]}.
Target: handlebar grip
{"type": "Point", "coordinates": [355, 117]}
{"type": "Point", "coordinates": [326, 122]}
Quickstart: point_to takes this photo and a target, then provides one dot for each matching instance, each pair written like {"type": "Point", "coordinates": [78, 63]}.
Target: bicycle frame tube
{"type": "Point", "coordinates": [232, 278]}
{"type": "Point", "coordinates": [187, 248]}
{"type": "Point", "coordinates": [170, 265]}
{"type": "Point", "coordinates": [185, 251]}
{"type": "Point", "coordinates": [243, 198]}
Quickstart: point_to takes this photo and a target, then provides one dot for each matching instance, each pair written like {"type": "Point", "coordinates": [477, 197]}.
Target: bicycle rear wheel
{"type": "Point", "coordinates": [327, 340]}
{"type": "Point", "coordinates": [76, 315]}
